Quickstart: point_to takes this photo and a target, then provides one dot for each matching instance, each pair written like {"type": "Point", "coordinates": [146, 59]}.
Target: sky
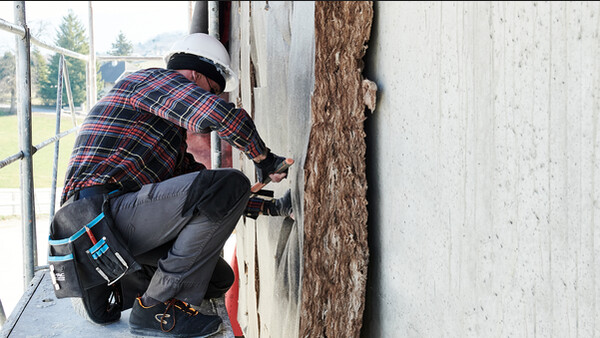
{"type": "Point", "coordinates": [139, 21]}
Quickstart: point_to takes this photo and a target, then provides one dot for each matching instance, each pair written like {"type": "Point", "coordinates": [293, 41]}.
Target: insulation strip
{"type": "Point", "coordinates": [335, 248]}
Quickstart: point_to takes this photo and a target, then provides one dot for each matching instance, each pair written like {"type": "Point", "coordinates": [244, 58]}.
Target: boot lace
{"type": "Point", "coordinates": [176, 304]}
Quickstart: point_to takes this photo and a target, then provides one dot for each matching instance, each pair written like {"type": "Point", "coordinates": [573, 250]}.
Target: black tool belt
{"type": "Point", "coordinates": [85, 248]}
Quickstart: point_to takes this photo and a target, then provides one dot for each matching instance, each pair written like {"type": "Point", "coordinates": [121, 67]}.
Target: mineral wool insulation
{"type": "Point", "coordinates": [335, 249]}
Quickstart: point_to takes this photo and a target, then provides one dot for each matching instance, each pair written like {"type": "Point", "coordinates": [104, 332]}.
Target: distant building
{"type": "Point", "coordinates": [112, 71]}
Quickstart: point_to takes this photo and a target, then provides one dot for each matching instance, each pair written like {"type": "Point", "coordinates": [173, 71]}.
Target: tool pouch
{"type": "Point", "coordinates": [79, 262]}
{"type": "Point", "coordinates": [106, 261]}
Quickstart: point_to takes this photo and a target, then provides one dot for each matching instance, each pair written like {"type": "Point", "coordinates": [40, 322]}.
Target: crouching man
{"type": "Point", "coordinates": [173, 214]}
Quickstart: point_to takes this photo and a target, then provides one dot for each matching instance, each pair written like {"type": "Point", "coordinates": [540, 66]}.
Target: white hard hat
{"type": "Point", "coordinates": [210, 49]}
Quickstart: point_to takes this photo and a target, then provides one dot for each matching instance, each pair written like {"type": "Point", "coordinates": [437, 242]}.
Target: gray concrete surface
{"type": "Point", "coordinates": [40, 314]}
{"type": "Point", "coordinates": [483, 163]}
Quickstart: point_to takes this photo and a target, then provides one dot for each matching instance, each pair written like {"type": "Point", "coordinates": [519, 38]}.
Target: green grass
{"type": "Point", "coordinates": [43, 128]}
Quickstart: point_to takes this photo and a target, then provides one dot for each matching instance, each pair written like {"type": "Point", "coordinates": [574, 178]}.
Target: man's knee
{"type": "Point", "coordinates": [232, 185]}
{"type": "Point", "coordinates": [216, 192]}
{"type": "Point", "coordinates": [235, 180]}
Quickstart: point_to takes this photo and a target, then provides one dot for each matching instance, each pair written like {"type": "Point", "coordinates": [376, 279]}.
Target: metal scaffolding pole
{"type": "Point", "coordinates": [24, 114]}
{"type": "Point", "coordinates": [213, 30]}
{"type": "Point", "coordinates": [92, 93]}
{"type": "Point", "coordinates": [59, 91]}
{"type": "Point", "coordinates": [18, 30]}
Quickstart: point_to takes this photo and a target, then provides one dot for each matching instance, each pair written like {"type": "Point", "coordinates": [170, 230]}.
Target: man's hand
{"type": "Point", "coordinates": [266, 166]}
{"type": "Point", "coordinates": [277, 177]}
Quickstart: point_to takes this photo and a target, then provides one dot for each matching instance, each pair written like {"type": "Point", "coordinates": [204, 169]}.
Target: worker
{"type": "Point", "coordinates": [170, 210]}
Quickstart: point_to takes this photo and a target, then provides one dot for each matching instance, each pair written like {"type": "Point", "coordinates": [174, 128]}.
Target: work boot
{"type": "Point", "coordinates": [173, 318]}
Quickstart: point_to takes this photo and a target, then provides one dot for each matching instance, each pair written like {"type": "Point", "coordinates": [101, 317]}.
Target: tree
{"type": "Point", "coordinates": [122, 47]}
{"type": "Point", "coordinates": [39, 75]}
{"type": "Point", "coordinates": [71, 35]}
{"type": "Point", "coordinates": [39, 72]}
{"type": "Point", "coordinates": [7, 80]}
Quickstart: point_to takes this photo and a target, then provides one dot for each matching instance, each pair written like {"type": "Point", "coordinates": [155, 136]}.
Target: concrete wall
{"type": "Point", "coordinates": [483, 165]}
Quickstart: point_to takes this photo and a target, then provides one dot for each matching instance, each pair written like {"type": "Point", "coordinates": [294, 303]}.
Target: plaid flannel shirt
{"type": "Point", "coordinates": [136, 134]}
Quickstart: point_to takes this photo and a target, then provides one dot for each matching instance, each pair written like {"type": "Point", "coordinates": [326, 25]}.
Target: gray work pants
{"type": "Point", "coordinates": [154, 216]}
